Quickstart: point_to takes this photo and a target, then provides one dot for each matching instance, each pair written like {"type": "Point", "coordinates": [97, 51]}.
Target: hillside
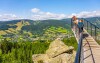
{"type": "Point", "coordinates": [94, 20]}
{"type": "Point", "coordinates": [20, 39]}
{"type": "Point", "coordinates": [34, 30]}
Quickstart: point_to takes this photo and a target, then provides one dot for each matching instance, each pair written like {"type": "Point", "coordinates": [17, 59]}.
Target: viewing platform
{"type": "Point", "coordinates": [88, 48]}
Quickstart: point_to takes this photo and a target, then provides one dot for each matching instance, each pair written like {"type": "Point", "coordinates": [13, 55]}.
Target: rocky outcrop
{"type": "Point", "coordinates": [58, 52]}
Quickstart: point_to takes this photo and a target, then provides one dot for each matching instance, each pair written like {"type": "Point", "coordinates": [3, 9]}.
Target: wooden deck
{"type": "Point", "coordinates": [91, 49]}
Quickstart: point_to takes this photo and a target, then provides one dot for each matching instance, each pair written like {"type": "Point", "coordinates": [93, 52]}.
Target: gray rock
{"type": "Point", "coordinates": [58, 52]}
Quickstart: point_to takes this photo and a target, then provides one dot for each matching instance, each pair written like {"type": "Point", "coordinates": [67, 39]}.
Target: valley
{"type": "Point", "coordinates": [20, 39]}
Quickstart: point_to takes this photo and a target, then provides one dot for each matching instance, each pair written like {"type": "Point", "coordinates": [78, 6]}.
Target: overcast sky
{"type": "Point", "coordinates": [48, 9]}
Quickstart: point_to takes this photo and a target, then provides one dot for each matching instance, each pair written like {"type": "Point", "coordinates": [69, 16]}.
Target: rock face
{"type": "Point", "coordinates": [58, 52]}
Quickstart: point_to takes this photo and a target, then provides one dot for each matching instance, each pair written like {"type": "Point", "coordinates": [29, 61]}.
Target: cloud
{"type": "Point", "coordinates": [35, 10]}
{"type": "Point", "coordinates": [37, 14]}
{"type": "Point", "coordinates": [48, 15]}
{"type": "Point", "coordinates": [85, 14]}
{"type": "Point", "coordinates": [6, 17]}
{"type": "Point", "coordinates": [40, 15]}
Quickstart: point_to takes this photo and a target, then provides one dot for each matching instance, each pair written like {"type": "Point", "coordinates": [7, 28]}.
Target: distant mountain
{"type": "Point", "coordinates": [33, 27]}
{"type": "Point", "coordinates": [37, 27]}
{"type": "Point", "coordinates": [94, 20]}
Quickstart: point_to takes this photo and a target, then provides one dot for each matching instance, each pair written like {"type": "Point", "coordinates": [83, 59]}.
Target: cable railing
{"type": "Point", "coordinates": [92, 29]}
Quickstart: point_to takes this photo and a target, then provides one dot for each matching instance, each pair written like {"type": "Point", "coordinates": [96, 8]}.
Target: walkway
{"type": "Point", "coordinates": [91, 49]}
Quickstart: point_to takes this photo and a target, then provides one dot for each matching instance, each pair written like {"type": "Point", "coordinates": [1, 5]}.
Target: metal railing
{"type": "Point", "coordinates": [92, 29]}
{"type": "Point", "coordinates": [79, 54]}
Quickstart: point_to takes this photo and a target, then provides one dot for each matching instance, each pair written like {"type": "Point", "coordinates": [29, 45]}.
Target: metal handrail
{"type": "Point", "coordinates": [79, 53]}
{"type": "Point", "coordinates": [78, 58]}
{"type": "Point", "coordinates": [93, 28]}
{"type": "Point", "coordinates": [90, 23]}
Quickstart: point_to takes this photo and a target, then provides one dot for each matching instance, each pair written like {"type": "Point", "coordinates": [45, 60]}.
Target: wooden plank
{"type": "Point", "coordinates": [91, 50]}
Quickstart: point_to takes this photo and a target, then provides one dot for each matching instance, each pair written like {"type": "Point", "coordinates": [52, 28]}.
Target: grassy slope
{"type": "Point", "coordinates": [19, 25]}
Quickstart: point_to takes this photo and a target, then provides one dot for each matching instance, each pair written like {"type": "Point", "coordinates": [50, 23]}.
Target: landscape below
{"type": "Point", "coordinates": [20, 39]}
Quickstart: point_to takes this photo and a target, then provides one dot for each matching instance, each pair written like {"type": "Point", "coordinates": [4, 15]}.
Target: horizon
{"type": "Point", "coordinates": [48, 9]}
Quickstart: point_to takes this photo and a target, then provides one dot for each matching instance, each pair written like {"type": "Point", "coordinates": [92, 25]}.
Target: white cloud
{"type": "Point", "coordinates": [6, 17]}
{"type": "Point", "coordinates": [85, 14]}
{"type": "Point", "coordinates": [40, 15]}
{"type": "Point", "coordinates": [35, 10]}
{"type": "Point", "coordinates": [48, 15]}
{"type": "Point", "coordinates": [37, 14]}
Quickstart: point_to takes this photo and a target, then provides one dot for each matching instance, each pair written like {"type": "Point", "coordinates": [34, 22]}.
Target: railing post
{"type": "Point", "coordinates": [71, 24]}
{"type": "Point", "coordinates": [95, 33]}
{"type": "Point", "coordinates": [91, 29]}
{"type": "Point", "coordinates": [87, 25]}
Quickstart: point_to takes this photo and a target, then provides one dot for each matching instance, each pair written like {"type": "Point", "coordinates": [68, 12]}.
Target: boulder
{"type": "Point", "coordinates": [63, 58]}
{"type": "Point", "coordinates": [57, 47]}
{"type": "Point", "coordinates": [58, 52]}
{"type": "Point", "coordinates": [40, 58]}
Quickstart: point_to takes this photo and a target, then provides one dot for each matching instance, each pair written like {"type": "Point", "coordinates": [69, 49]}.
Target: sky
{"type": "Point", "coordinates": [48, 9]}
